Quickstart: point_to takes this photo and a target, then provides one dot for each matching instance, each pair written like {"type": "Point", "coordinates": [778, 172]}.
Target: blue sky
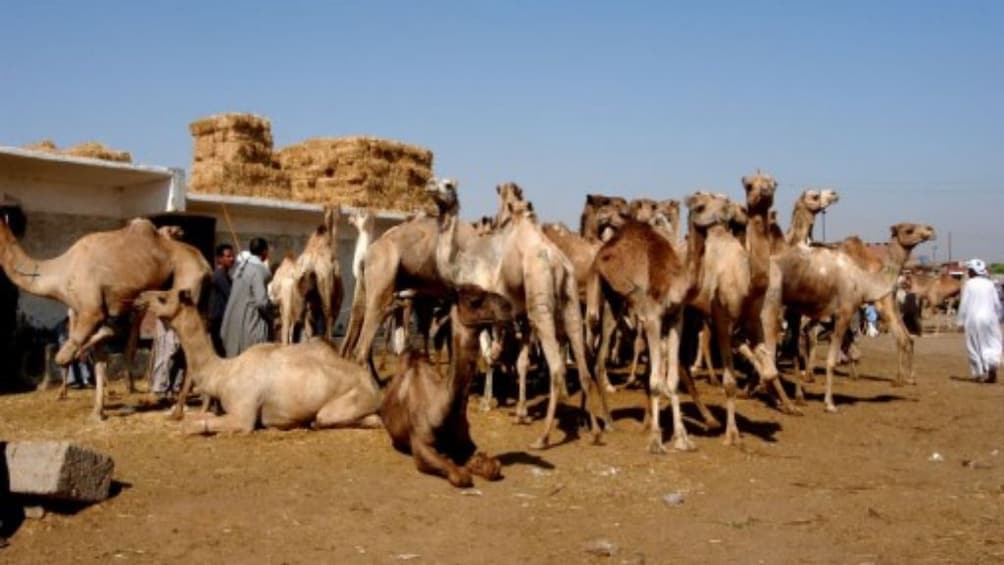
{"type": "Point", "coordinates": [897, 105]}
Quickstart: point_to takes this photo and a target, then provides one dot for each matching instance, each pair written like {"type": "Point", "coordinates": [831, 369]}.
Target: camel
{"type": "Point", "coordinates": [601, 215]}
{"type": "Point", "coordinates": [318, 268]}
{"type": "Point", "coordinates": [519, 263]}
{"type": "Point", "coordinates": [935, 291]}
{"type": "Point", "coordinates": [803, 216]}
{"type": "Point", "coordinates": [820, 282]}
{"type": "Point", "coordinates": [284, 292]}
{"type": "Point", "coordinates": [98, 278]}
{"type": "Point", "coordinates": [278, 386]}
{"type": "Point", "coordinates": [641, 269]}
{"type": "Point", "coordinates": [425, 413]}
{"type": "Point", "coordinates": [365, 223]}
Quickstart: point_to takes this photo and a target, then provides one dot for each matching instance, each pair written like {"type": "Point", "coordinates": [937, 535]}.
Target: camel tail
{"type": "Point", "coordinates": [356, 314]}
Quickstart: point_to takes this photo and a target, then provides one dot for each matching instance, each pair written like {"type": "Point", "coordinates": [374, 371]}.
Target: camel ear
{"type": "Point", "coordinates": [185, 297]}
{"type": "Point", "coordinates": [498, 189]}
{"type": "Point", "coordinates": [894, 230]}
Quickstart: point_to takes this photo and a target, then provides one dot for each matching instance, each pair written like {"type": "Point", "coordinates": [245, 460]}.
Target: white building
{"type": "Point", "coordinates": [66, 197]}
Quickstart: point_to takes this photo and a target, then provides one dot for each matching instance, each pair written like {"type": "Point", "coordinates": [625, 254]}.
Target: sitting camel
{"type": "Point", "coordinates": [278, 386]}
{"type": "Point", "coordinates": [98, 278]}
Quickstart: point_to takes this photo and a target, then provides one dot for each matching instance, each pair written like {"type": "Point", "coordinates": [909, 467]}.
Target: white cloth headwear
{"type": "Point", "coordinates": [977, 266]}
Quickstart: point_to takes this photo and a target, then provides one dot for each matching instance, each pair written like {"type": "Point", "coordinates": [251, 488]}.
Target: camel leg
{"type": "Point", "coordinates": [591, 393]}
{"type": "Point", "coordinates": [681, 442]}
{"type": "Point", "coordinates": [100, 382]}
{"type": "Point", "coordinates": [608, 325]}
{"type": "Point", "coordinates": [656, 380]}
{"type": "Point", "coordinates": [842, 321]}
{"type": "Point", "coordinates": [546, 333]}
{"type": "Point", "coordinates": [354, 409]}
{"type": "Point", "coordinates": [430, 461]}
{"type": "Point", "coordinates": [522, 366]}
{"type": "Point", "coordinates": [723, 331]}
{"type": "Point", "coordinates": [376, 303]}
{"type": "Point", "coordinates": [485, 341]}
{"type": "Point", "coordinates": [135, 321]}
{"type": "Point", "coordinates": [178, 413]}
{"type": "Point", "coordinates": [227, 423]}
{"type": "Point", "coordinates": [887, 309]}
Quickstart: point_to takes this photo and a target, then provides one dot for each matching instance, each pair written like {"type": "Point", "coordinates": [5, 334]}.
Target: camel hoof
{"type": "Point", "coordinates": [460, 479]}
{"type": "Point", "coordinates": [655, 446]}
{"type": "Point", "coordinates": [486, 405]}
{"type": "Point", "coordinates": [176, 415]}
{"type": "Point", "coordinates": [540, 443]}
{"type": "Point", "coordinates": [97, 416]}
{"type": "Point", "coordinates": [732, 439]}
{"type": "Point", "coordinates": [609, 388]}
{"type": "Point", "coordinates": [683, 443]}
{"type": "Point", "coordinates": [831, 409]}
{"type": "Point", "coordinates": [712, 424]}
{"type": "Point", "coordinates": [484, 466]}
{"type": "Point", "coordinates": [522, 420]}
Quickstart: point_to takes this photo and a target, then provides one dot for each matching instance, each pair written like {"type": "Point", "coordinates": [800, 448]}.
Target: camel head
{"type": "Point", "coordinates": [911, 235]}
{"type": "Point", "coordinates": [759, 191]}
{"type": "Point", "coordinates": [818, 200]}
{"type": "Point", "coordinates": [511, 203]}
{"type": "Point", "coordinates": [516, 211]}
{"type": "Point", "coordinates": [331, 215]}
{"type": "Point", "coordinates": [165, 304]}
{"type": "Point", "coordinates": [479, 307]}
{"type": "Point", "coordinates": [643, 210]}
{"type": "Point", "coordinates": [708, 209]}
{"type": "Point", "coordinates": [484, 226]}
{"type": "Point", "coordinates": [444, 194]}
{"type": "Point", "coordinates": [668, 211]}
{"type": "Point", "coordinates": [737, 215]}
{"type": "Point", "coordinates": [362, 219]}
{"type": "Point", "coordinates": [602, 215]}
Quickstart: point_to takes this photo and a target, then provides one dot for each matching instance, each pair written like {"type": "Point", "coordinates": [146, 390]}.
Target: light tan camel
{"type": "Point", "coordinates": [98, 278]}
{"type": "Point", "coordinates": [519, 263]}
{"type": "Point", "coordinates": [318, 268]}
{"type": "Point", "coordinates": [820, 282]}
{"type": "Point", "coordinates": [280, 386]}
{"type": "Point", "coordinates": [284, 292]}
{"type": "Point", "coordinates": [803, 216]}
{"type": "Point", "coordinates": [639, 268]}
{"type": "Point", "coordinates": [364, 221]}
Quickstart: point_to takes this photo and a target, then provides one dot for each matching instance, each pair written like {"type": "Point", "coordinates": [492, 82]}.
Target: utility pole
{"type": "Point", "coordinates": [949, 247]}
{"type": "Point", "coordinates": [824, 225]}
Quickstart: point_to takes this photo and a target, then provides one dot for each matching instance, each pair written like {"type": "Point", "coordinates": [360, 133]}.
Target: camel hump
{"type": "Point", "coordinates": [141, 225]}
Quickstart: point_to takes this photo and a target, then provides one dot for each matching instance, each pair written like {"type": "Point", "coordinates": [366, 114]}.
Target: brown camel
{"type": "Point", "coordinates": [639, 268]}
{"type": "Point", "coordinates": [820, 282]}
{"type": "Point", "coordinates": [278, 386]}
{"type": "Point", "coordinates": [519, 263]}
{"type": "Point", "coordinates": [601, 214]}
{"type": "Point", "coordinates": [98, 278]}
{"type": "Point", "coordinates": [934, 291]}
{"type": "Point", "coordinates": [425, 413]}
{"type": "Point", "coordinates": [318, 268]}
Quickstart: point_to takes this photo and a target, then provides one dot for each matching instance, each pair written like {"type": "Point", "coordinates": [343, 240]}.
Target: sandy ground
{"type": "Point", "coordinates": [856, 487]}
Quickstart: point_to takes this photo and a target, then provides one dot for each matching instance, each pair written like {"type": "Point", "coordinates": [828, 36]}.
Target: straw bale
{"type": "Point", "coordinates": [46, 145]}
{"type": "Point", "coordinates": [96, 150]}
{"type": "Point", "coordinates": [250, 124]}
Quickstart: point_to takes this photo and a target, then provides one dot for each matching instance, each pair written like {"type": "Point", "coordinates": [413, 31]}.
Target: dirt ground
{"type": "Point", "coordinates": [856, 487]}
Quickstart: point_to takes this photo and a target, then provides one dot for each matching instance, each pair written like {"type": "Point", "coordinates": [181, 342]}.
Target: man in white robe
{"type": "Point", "coordinates": [980, 315]}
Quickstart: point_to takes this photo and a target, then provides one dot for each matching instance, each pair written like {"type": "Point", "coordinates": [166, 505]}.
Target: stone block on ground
{"type": "Point", "coordinates": [58, 470]}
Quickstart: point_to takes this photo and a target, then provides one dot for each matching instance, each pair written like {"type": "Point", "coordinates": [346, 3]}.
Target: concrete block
{"type": "Point", "coordinates": [58, 470]}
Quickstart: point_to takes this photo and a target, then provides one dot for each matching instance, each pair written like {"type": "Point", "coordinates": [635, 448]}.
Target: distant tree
{"type": "Point", "coordinates": [997, 268]}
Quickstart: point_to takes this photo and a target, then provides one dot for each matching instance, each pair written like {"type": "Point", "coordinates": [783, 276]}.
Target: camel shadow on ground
{"type": "Point", "coordinates": [511, 458]}
{"type": "Point", "coordinates": [762, 429]}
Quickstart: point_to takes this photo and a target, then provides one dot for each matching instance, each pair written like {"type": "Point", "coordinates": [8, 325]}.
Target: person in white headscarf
{"type": "Point", "coordinates": [980, 315]}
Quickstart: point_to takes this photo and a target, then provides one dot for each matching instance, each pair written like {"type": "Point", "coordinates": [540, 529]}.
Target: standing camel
{"type": "Point", "coordinates": [98, 278]}
{"type": "Point", "coordinates": [318, 268]}
{"type": "Point", "coordinates": [519, 263]}
{"type": "Point", "coordinates": [641, 269]}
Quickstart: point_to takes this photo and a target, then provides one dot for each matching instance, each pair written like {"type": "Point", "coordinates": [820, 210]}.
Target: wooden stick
{"type": "Point", "coordinates": [230, 226]}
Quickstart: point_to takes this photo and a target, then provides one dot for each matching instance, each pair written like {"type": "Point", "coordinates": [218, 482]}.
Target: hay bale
{"type": "Point", "coordinates": [95, 150]}
{"type": "Point", "coordinates": [46, 145]}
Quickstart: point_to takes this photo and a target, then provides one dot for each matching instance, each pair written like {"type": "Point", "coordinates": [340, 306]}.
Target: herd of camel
{"type": "Point", "coordinates": [507, 292]}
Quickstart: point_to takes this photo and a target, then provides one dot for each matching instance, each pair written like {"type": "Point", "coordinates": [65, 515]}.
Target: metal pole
{"type": "Point", "coordinates": [824, 225]}
{"type": "Point", "coordinates": [949, 247]}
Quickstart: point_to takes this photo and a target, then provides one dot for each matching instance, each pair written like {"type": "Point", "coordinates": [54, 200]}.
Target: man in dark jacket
{"type": "Point", "coordinates": [220, 293]}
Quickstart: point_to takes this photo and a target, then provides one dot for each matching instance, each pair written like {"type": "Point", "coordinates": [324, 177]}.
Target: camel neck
{"type": "Point", "coordinates": [696, 239]}
{"type": "Point", "coordinates": [30, 275]}
{"type": "Point", "coordinates": [446, 244]}
{"type": "Point", "coordinates": [895, 257]}
{"type": "Point", "coordinates": [801, 225]}
{"type": "Point", "coordinates": [199, 352]}
{"type": "Point", "coordinates": [362, 244]}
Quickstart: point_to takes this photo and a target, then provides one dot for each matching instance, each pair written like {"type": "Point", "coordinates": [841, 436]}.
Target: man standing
{"type": "Point", "coordinates": [248, 316]}
{"type": "Point", "coordinates": [980, 316]}
{"type": "Point", "coordinates": [219, 293]}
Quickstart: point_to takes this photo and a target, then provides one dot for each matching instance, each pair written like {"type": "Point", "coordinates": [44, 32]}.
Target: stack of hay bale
{"type": "Point", "coordinates": [91, 149]}
{"type": "Point", "coordinates": [233, 155]}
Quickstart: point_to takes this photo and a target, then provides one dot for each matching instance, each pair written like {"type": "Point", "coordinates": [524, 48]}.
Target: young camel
{"type": "Point", "coordinates": [520, 264]}
{"type": "Point", "coordinates": [284, 292]}
{"type": "Point", "coordinates": [820, 282]}
{"type": "Point", "coordinates": [425, 413]}
{"type": "Point", "coordinates": [98, 278]}
{"type": "Point", "coordinates": [318, 268]}
{"type": "Point", "coordinates": [640, 268]}
{"type": "Point", "coordinates": [278, 386]}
